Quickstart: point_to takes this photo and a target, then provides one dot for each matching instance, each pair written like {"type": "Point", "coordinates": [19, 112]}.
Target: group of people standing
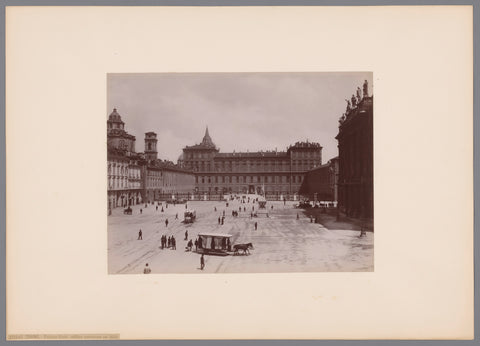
{"type": "Point", "coordinates": [169, 242]}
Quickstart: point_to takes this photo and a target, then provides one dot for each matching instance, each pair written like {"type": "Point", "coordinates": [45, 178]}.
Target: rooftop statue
{"type": "Point", "coordinates": [354, 101]}
{"type": "Point", "coordinates": [365, 88]}
{"type": "Point", "coordinates": [359, 94]}
{"type": "Point", "coordinates": [349, 106]}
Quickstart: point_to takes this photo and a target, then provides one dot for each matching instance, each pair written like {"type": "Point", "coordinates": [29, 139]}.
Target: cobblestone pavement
{"type": "Point", "coordinates": [281, 243]}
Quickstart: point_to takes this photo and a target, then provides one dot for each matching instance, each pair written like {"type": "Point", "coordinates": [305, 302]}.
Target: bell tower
{"type": "Point", "coordinates": [151, 146]}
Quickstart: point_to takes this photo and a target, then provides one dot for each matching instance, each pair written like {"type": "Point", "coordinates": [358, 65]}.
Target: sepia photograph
{"type": "Point", "coordinates": [219, 173]}
{"type": "Point", "coordinates": [240, 172]}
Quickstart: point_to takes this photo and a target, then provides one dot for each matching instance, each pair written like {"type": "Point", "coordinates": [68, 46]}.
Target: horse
{"type": "Point", "coordinates": [243, 247]}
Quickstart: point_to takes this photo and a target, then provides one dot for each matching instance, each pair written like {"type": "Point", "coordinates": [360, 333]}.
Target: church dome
{"type": "Point", "coordinates": [114, 117]}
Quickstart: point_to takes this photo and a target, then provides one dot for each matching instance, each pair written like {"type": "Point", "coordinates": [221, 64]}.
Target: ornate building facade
{"type": "Point", "coordinates": [355, 148]}
{"type": "Point", "coordinates": [124, 184]}
{"type": "Point", "coordinates": [135, 178]}
{"type": "Point", "coordinates": [277, 174]}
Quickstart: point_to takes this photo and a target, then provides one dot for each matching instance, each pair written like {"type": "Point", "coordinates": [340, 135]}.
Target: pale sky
{"type": "Point", "coordinates": [243, 111]}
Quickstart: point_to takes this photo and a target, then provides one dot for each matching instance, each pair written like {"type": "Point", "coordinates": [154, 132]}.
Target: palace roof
{"type": "Point", "coordinates": [207, 143]}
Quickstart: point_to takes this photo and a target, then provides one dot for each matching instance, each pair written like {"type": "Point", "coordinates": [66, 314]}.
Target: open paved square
{"type": "Point", "coordinates": [282, 243]}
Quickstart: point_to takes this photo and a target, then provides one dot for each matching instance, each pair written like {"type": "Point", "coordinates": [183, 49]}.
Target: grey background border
{"type": "Point", "coordinates": [476, 44]}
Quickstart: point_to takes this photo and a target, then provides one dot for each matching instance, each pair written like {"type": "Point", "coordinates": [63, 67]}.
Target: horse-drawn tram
{"type": "Point", "coordinates": [219, 244]}
{"type": "Point", "coordinates": [214, 243]}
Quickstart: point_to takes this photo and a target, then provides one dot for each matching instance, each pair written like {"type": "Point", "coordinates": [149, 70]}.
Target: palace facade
{"type": "Point", "coordinates": [355, 153]}
{"type": "Point", "coordinates": [277, 174]}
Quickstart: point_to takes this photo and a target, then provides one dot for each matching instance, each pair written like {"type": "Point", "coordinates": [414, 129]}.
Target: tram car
{"type": "Point", "coordinates": [189, 216]}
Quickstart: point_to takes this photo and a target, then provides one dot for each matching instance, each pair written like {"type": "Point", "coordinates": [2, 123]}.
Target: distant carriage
{"type": "Point", "coordinates": [127, 211]}
{"type": "Point", "coordinates": [189, 216]}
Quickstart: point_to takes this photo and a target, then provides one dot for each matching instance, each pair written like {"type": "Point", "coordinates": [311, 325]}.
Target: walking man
{"type": "Point", "coordinates": [186, 235]}
{"type": "Point", "coordinates": [147, 269]}
{"type": "Point", "coordinates": [255, 226]}
{"type": "Point", "coordinates": [139, 235]}
{"type": "Point", "coordinates": [166, 222]}
{"type": "Point", "coordinates": [196, 244]}
{"type": "Point", "coordinates": [202, 262]}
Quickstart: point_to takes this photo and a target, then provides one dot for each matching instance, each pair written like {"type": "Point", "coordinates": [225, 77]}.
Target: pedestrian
{"type": "Point", "coordinates": [253, 208]}
{"type": "Point", "coordinates": [185, 205]}
{"type": "Point", "coordinates": [219, 220]}
{"type": "Point", "coordinates": [244, 209]}
{"type": "Point", "coordinates": [176, 216]}
{"type": "Point", "coordinates": [272, 206]}
{"type": "Point", "coordinates": [255, 226]}
{"type": "Point", "coordinates": [202, 262]}
{"type": "Point", "coordinates": [139, 235]}
{"type": "Point", "coordinates": [196, 244]}
{"type": "Point", "coordinates": [162, 210]}
{"type": "Point", "coordinates": [224, 213]}
{"type": "Point", "coordinates": [166, 222]}
{"type": "Point", "coordinates": [186, 235]}
{"type": "Point", "coordinates": [156, 208]}
{"type": "Point", "coordinates": [162, 241]}
{"type": "Point", "coordinates": [223, 220]}
{"type": "Point", "coordinates": [169, 242]}
{"type": "Point", "coordinates": [140, 210]}
{"type": "Point", "coordinates": [189, 245]}
{"type": "Point", "coordinates": [214, 208]}
{"type": "Point", "coordinates": [239, 209]}
{"type": "Point", "coordinates": [174, 243]}
{"type": "Point", "coordinates": [147, 269]}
